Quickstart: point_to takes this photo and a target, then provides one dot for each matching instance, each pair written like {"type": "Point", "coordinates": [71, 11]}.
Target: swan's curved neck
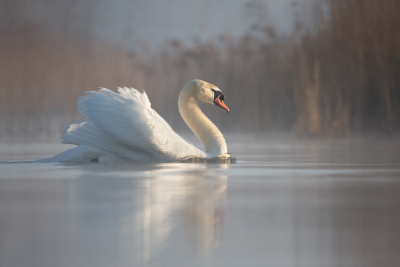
{"type": "Point", "coordinates": [203, 128]}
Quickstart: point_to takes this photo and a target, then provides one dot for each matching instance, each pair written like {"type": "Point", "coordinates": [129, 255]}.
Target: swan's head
{"type": "Point", "coordinates": [209, 93]}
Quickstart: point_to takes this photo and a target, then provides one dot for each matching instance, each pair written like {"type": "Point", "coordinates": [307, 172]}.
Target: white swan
{"type": "Point", "coordinates": [123, 127]}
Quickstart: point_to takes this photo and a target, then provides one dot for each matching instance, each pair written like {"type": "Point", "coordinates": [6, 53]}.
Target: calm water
{"type": "Point", "coordinates": [285, 203]}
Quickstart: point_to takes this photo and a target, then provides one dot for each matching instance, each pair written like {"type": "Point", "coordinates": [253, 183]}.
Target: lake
{"type": "Point", "coordinates": [286, 202]}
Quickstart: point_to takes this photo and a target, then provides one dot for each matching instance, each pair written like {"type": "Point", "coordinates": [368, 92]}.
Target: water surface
{"type": "Point", "coordinates": [284, 203]}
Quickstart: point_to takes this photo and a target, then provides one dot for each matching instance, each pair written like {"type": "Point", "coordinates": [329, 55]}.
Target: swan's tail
{"type": "Point", "coordinates": [92, 145]}
{"type": "Point", "coordinates": [82, 153]}
{"type": "Point", "coordinates": [86, 133]}
{"type": "Point", "coordinates": [77, 154]}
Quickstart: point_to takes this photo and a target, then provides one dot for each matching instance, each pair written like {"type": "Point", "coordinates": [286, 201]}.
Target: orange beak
{"type": "Point", "coordinates": [221, 104]}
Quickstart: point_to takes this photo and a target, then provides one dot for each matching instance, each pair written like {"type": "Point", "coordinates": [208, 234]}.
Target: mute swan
{"type": "Point", "coordinates": [123, 127]}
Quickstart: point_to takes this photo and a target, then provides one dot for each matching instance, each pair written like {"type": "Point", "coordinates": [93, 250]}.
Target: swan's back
{"type": "Point", "coordinates": [124, 124]}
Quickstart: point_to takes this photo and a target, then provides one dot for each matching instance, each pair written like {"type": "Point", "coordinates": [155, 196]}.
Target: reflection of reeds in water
{"type": "Point", "coordinates": [341, 79]}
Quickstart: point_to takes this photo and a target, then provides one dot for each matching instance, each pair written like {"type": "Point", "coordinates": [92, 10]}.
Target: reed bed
{"type": "Point", "coordinates": [341, 78]}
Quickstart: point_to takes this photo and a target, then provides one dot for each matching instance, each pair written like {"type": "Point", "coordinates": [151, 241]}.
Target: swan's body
{"type": "Point", "coordinates": [123, 127]}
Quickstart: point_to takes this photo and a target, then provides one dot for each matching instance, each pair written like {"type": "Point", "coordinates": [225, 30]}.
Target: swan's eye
{"type": "Point", "coordinates": [218, 93]}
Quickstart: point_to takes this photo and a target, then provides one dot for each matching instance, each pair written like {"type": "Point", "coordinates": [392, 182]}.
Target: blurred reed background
{"type": "Point", "coordinates": [339, 77]}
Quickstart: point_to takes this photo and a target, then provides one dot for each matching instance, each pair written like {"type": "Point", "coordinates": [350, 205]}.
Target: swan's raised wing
{"type": "Point", "coordinates": [124, 124]}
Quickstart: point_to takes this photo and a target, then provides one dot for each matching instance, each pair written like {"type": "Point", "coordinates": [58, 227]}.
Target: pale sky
{"type": "Point", "coordinates": [159, 20]}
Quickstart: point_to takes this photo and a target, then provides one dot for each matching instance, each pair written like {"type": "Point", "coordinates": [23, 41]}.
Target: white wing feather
{"type": "Point", "coordinates": [125, 125]}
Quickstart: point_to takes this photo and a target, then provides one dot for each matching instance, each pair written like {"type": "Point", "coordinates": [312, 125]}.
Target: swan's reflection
{"type": "Point", "coordinates": [169, 205]}
{"type": "Point", "coordinates": [196, 196]}
{"type": "Point", "coordinates": [204, 211]}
